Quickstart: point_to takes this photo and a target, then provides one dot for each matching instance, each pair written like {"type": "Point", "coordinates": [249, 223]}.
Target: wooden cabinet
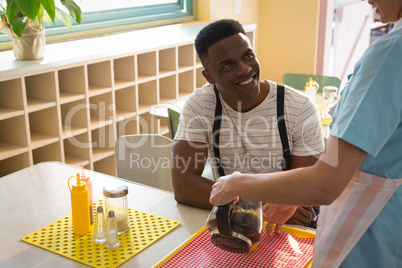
{"type": "Point", "coordinates": [72, 106]}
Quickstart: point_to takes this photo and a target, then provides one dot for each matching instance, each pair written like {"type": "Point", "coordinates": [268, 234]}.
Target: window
{"type": "Point", "coordinates": [103, 14]}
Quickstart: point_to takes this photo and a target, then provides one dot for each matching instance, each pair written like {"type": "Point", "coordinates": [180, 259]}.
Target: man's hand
{"type": "Point", "coordinates": [277, 214]}
{"type": "Point", "coordinates": [302, 216]}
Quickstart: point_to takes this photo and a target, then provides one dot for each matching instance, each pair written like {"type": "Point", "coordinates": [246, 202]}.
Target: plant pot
{"type": "Point", "coordinates": [31, 46]}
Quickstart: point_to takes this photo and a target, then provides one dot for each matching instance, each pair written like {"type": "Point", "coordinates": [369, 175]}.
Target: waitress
{"type": "Point", "coordinates": [358, 180]}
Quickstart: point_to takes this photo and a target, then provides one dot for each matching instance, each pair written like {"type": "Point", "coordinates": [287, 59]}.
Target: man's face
{"type": "Point", "coordinates": [232, 65]}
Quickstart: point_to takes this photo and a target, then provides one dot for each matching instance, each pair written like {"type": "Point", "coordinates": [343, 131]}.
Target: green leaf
{"type": "Point", "coordinates": [63, 16]}
{"type": "Point", "coordinates": [29, 7]}
{"type": "Point", "coordinates": [40, 16]}
{"type": "Point", "coordinates": [12, 7]}
{"type": "Point", "coordinates": [49, 6]}
{"type": "Point", "coordinates": [18, 25]}
{"type": "Point", "coordinates": [46, 18]}
{"type": "Point", "coordinates": [73, 8]}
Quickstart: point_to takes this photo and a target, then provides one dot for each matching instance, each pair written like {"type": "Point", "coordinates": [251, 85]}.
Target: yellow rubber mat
{"type": "Point", "coordinates": [58, 237]}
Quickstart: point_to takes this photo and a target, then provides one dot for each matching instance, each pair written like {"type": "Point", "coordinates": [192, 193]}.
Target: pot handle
{"type": "Point", "coordinates": [223, 219]}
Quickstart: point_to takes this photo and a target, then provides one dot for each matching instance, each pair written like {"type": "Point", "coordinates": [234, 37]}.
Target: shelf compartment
{"type": "Point", "coordinates": [186, 83]}
{"type": "Point", "coordinates": [146, 67]}
{"type": "Point", "coordinates": [99, 78]}
{"type": "Point", "coordinates": [186, 57]}
{"type": "Point", "coordinates": [14, 164]}
{"type": "Point", "coordinates": [77, 150]}
{"type": "Point", "coordinates": [40, 91]}
{"type": "Point", "coordinates": [167, 62]}
{"type": "Point", "coordinates": [13, 137]}
{"type": "Point", "coordinates": [199, 78]}
{"type": "Point", "coordinates": [101, 109]}
{"type": "Point", "coordinates": [128, 126]}
{"type": "Point", "coordinates": [124, 72]}
{"type": "Point", "coordinates": [126, 102]}
{"type": "Point", "coordinates": [167, 89]}
{"type": "Point", "coordinates": [51, 152]}
{"type": "Point", "coordinates": [148, 124]}
{"type": "Point", "coordinates": [103, 140]}
{"type": "Point", "coordinates": [163, 126]}
{"type": "Point", "coordinates": [44, 127]}
{"type": "Point", "coordinates": [198, 63]}
{"type": "Point", "coordinates": [74, 118]}
{"type": "Point", "coordinates": [71, 84]}
{"type": "Point", "coordinates": [147, 96]}
{"type": "Point", "coordinates": [11, 99]}
{"type": "Point", "coordinates": [106, 166]}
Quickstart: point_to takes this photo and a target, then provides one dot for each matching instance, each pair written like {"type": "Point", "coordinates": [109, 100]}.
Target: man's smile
{"type": "Point", "coordinates": [246, 82]}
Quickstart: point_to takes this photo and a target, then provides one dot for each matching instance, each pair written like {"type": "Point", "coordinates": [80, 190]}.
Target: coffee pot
{"type": "Point", "coordinates": [236, 229]}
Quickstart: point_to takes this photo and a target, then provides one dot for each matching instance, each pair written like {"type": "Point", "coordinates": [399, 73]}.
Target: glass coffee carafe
{"type": "Point", "coordinates": [236, 229]}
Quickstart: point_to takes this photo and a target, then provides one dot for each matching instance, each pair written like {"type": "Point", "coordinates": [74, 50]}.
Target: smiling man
{"type": "Point", "coordinates": [233, 120]}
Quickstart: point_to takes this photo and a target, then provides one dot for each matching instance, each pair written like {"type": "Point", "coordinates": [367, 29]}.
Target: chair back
{"type": "Point", "coordinates": [145, 158]}
{"type": "Point", "coordinates": [173, 119]}
{"type": "Point", "coordinates": [298, 81]}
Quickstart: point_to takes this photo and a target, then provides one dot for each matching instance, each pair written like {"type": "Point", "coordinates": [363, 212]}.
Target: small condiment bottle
{"type": "Point", "coordinates": [116, 200]}
{"type": "Point", "coordinates": [100, 226]}
{"type": "Point", "coordinates": [112, 237]}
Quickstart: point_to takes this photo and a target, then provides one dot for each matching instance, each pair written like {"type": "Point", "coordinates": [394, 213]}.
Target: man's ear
{"type": "Point", "coordinates": [208, 76]}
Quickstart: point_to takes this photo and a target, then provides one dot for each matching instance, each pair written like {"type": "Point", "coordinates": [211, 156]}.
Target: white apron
{"type": "Point", "coordinates": [344, 222]}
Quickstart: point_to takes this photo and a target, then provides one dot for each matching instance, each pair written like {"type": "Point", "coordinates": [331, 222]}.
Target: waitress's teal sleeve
{"type": "Point", "coordinates": [369, 112]}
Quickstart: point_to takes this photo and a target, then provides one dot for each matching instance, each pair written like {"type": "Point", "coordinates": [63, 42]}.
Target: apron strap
{"type": "Point", "coordinates": [280, 114]}
{"type": "Point", "coordinates": [216, 131]}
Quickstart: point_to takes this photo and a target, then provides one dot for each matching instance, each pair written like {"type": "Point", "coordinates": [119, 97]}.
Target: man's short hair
{"type": "Point", "coordinates": [215, 32]}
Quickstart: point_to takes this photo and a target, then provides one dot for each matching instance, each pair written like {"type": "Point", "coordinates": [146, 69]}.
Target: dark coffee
{"type": "Point", "coordinates": [247, 223]}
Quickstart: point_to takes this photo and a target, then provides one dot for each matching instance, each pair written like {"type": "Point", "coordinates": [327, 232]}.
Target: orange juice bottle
{"type": "Point", "coordinates": [79, 206]}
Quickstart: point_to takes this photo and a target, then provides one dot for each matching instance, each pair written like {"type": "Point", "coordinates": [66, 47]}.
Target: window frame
{"type": "Point", "coordinates": [133, 17]}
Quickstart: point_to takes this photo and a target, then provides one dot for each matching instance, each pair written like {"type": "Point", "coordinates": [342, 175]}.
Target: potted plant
{"type": "Point", "coordinates": [23, 21]}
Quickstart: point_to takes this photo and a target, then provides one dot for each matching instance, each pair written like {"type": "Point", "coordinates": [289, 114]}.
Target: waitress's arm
{"type": "Point", "coordinates": [319, 184]}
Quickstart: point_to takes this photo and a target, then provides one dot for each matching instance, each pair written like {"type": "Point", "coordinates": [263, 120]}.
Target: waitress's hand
{"type": "Point", "coordinates": [302, 216]}
{"type": "Point", "coordinates": [220, 194]}
{"type": "Point", "coordinates": [276, 214]}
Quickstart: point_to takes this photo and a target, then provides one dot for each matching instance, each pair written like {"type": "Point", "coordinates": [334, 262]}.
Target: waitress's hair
{"type": "Point", "coordinates": [213, 33]}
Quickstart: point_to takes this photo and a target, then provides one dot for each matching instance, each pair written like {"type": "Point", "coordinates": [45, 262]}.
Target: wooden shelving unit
{"type": "Point", "coordinates": [72, 109]}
